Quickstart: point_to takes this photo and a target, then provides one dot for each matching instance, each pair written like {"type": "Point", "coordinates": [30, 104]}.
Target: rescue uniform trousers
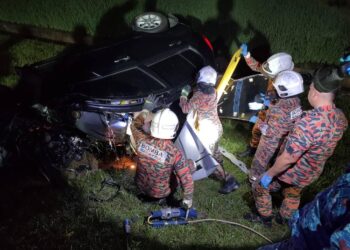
{"type": "Point", "coordinates": [268, 147]}
{"type": "Point", "coordinates": [263, 199]}
{"type": "Point", "coordinates": [212, 143]}
{"type": "Point", "coordinates": [256, 133]}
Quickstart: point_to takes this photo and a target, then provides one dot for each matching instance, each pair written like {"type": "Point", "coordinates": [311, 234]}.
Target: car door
{"type": "Point", "coordinates": [234, 103]}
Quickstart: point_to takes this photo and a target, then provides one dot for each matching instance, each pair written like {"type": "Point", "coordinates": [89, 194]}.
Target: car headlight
{"type": "Point", "coordinates": [123, 102]}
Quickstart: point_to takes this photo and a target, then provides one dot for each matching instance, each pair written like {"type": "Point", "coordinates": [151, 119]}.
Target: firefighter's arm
{"type": "Point", "coordinates": [183, 171]}
{"type": "Point", "coordinates": [297, 143]}
{"type": "Point", "coordinates": [282, 163]}
{"type": "Point", "coordinates": [252, 63]}
{"type": "Point", "coordinates": [187, 105]}
{"type": "Point", "coordinates": [136, 126]}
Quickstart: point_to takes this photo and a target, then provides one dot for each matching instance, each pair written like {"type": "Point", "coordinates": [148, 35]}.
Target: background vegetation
{"type": "Point", "coordinates": [36, 215]}
{"type": "Point", "coordinates": [312, 31]}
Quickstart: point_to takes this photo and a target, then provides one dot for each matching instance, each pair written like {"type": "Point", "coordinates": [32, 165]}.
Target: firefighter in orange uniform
{"type": "Point", "coordinates": [305, 150]}
{"type": "Point", "coordinates": [161, 166]}
{"type": "Point", "coordinates": [279, 120]}
{"type": "Point", "coordinates": [204, 102]}
{"type": "Point", "coordinates": [275, 64]}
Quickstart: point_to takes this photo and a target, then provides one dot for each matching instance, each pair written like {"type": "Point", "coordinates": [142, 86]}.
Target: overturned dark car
{"type": "Point", "coordinates": [99, 88]}
{"type": "Point", "coordinates": [87, 99]}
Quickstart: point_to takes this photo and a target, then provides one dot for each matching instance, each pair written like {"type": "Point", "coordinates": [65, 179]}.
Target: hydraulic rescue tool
{"type": "Point", "coordinates": [171, 216]}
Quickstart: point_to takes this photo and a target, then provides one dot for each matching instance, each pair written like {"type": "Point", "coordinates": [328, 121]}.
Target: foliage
{"type": "Point", "coordinates": [310, 30]}
{"type": "Point", "coordinates": [29, 51]}
{"type": "Point", "coordinates": [15, 52]}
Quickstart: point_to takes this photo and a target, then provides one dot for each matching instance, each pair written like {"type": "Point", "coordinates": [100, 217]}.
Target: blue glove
{"type": "Point", "coordinates": [265, 181]}
{"type": "Point", "coordinates": [267, 102]}
{"type": "Point", "coordinates": [345, 59]}
{"type": "Point", "coordinates": [253, 119]}
{"type": "Point", "coordinates": [265, 99]}
{"type": "Point", "coordinates": [244, 48]}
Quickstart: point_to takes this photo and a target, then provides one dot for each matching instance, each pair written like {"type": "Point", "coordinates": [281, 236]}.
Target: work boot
{"type": "Point", "coordinates": [250, 151]}
{"type": "Point", "coordinates": [280, 220]}
{"type": "Point", "coordinates": [230, 185]}
{"type": "Point", "coordinates": [253, 217]}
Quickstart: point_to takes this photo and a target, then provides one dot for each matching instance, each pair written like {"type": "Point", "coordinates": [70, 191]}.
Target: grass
{"type": "Point", "coordinates": [36, 215]}
{"type": "Point", "coordinates": [17, 52]}
{"type": "Point", "coordinates": [311, 31]}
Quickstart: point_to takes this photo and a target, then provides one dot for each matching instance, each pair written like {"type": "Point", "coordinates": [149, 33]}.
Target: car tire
{"type": "Point", "coordinates": [151, 22]}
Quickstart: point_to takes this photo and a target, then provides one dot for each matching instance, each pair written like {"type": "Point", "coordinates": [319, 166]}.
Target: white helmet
{"type": "Point", "coordinates": [288, 83]}
{"type": "Point", "coordinates": [164, 124]}
{"type": "Point", "coordinates": [277, 63]}
{"type": "Point", "coordinates": [207, 75]}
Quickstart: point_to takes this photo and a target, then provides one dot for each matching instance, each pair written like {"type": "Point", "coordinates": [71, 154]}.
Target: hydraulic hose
{"type": "Point", "coordinates": [182, 221]}
{"type": "Point", "coordinates": [230, 223]}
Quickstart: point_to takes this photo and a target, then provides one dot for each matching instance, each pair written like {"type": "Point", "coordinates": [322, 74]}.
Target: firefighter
{"type": "Point", "coordinates": [323, 223]}
{"type": "Point", "coordinates": [275, 64]}
{"type": "Point", "coordinates": [305, 150]}
{"type": "Point", "coordinates": [160, 164]}
{"type": "Point", "coordinates": [204, 103]}
{"type": "Point", "coordinates": [279, 120]}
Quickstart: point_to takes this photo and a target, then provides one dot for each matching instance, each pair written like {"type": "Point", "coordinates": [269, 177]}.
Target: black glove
{"type": "Point", "coordinates": [151, 102]}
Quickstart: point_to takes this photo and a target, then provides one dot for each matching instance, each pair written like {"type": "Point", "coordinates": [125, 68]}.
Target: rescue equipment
{"type": "Point", "coordinates": [171, 216]}
{"type": "Point", "coordinates": [179, 216]}
{"type": "Point", "coordinates": [228, 73]}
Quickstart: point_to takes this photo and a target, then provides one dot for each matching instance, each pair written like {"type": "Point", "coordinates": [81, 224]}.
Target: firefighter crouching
{"type": "Point", "coordinates": [160, 164]}
{"type": "Point", "coordinates": [279, 120]}
{"type": "Point", "coordinates": [209, 128]}
{"type": "Point", "coordinates": [271, 67]}
{"type": "Point", "coordinates": [305, 150]}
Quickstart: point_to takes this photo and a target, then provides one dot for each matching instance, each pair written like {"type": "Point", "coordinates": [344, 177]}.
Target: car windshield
{"type": "Point", "coordinates": [131, 83]}
{"type": "Point", "coordinates": [169, 70]}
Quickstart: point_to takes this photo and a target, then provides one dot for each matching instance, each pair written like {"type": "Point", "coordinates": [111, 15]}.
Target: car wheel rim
{"type": "Point", "coordinates": [148, 22]}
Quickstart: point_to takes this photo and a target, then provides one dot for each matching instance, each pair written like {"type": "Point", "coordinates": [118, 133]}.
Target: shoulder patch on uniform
{"type": "Point", "coordinates": [296, 113]}
{"type": "Point", "coordinates": [152, 152]}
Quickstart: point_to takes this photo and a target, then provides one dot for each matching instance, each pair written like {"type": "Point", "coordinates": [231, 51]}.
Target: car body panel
{"type": "Point", "coordinates": [193, 148]}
